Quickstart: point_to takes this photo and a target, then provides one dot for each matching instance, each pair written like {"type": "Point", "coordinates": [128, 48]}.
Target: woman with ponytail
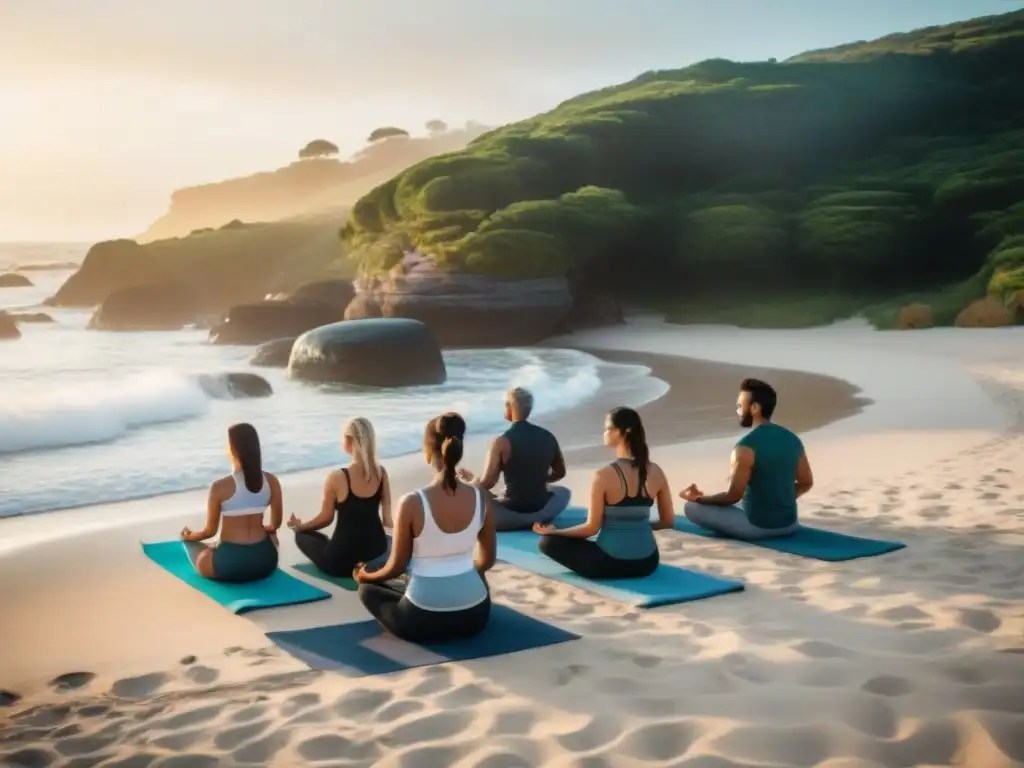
{"type": "Point", "coordinates": [444, 536]}
{"type": "Point", "coordinates": [619, 514]}
{"type": "Point", "coordinates": [247, 550]}
{"type": "Point", "coordinates": [359, 495]}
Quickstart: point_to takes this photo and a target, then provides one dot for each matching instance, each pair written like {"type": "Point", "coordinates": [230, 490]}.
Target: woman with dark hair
{"type": "Point", "coordinates": [247, 550]}
{"type": "Point", "coordinates": [619, 514]}
{"type": "Point", "coordinates": [444, 535]}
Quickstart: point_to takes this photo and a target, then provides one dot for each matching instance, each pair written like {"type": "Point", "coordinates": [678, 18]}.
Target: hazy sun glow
{"type": "Point", "coordinates": [108, 106]}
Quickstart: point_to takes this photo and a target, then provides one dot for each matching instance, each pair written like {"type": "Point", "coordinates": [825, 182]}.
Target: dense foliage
{"type": "Point", "coordinates": [318, 148]}
{"type": "Point", "coordinates": [892, 165]}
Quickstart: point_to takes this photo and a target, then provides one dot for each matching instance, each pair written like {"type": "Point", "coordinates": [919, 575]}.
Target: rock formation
{"type": "Point", "coordinates": [232, 386]}
{"type": "Point", "coordinates": [14, 280]}
{"type": "Point", "coordinates": [465, 310]}
{"type": "Point", "coordinates": [31, 317]}
{"type": "Point", "coordinates": [150, 307]}
{"type": "Point", "coordinates": [269, 320]}
{"type": "Point", "coordinates": [273, 354]}
{"type": "Point", "coordinates": [336, 293]}
{"type": "Point", "coordinates": [8, 328]}
{"type": "Point", "coordinates": [108, 266]}
{"type": "Point", "coordinates": [382, 352]}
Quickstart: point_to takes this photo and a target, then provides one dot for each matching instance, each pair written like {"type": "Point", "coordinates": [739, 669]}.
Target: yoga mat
{"type": "Point", "coordinates": [278, 589]}
{"type": "Point", "coordinates": [345, 582]}
{"type": "Point", "coordinates": [666, 586]}
{"type": "Point", "coordinates": [364, 648]}
{"type": "Point", "coordinates": [810, 542]}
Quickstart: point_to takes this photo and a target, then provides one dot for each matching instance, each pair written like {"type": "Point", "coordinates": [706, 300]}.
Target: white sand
{"type": "Point", "coordinates": [912, 658]}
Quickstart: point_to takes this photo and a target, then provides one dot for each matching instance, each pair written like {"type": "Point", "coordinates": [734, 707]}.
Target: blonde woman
{"type": "Point", "coordinates": [360, 496]}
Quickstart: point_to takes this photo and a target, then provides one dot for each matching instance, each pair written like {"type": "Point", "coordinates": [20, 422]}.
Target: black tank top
{"type": "Point", "coordinates": [526, 473]}
{"type": "Point", "coordinates": [358, 521]}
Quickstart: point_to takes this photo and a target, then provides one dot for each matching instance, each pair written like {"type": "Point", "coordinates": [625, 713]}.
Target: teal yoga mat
{"type": "Point", "coordinates": [666, 586]}
{"type": "Point", "coordinates": [345, 582]}
{"type": "Point", "coordinates": [279, 589]}
{"type": "Point", "coordinates": [363, 648]}
{"type": "Point", "coordinates": [815, 543]}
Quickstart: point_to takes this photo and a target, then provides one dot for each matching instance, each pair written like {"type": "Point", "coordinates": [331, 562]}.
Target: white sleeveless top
{"type": "Point", "coordinates": [442, 576]}
{"type": "Point", "coordinates": [245, 502]}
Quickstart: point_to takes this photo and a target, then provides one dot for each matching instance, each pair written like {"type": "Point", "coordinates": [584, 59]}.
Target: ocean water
{"type": "Point", "coordinates": [90, 417]}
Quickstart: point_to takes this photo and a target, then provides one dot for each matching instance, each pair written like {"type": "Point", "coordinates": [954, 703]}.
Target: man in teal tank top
{"type": "Point", "coordinates": [770, 471]}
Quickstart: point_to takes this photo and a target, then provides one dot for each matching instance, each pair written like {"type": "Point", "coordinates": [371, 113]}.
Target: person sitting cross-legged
{"type": "Point", "coordinates": [770, 471]}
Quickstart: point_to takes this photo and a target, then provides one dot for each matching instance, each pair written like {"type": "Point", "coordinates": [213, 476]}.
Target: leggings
{"type": "Point", "coordinates": [506, 519]}
{"type": "Point", "coordinates": [587, 559]}
{"type": "Point", "coordinates": [339, 559]}
{"type": "Point", "coordinates": [731, 522]}
{"type": "Point", "coordinates": [238, 562]}
{"type": "Point", "coordinates": [387, 603]}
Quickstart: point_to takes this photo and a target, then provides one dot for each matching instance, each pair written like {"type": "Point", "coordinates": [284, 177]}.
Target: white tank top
{"type": "Point", "coordinates": [245, 502]}
{"type": "Point", "coordinates": [436, 553]}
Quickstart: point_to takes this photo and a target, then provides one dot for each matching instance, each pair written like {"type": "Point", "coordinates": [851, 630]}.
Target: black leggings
{"type": "Point", "coordinates": [338, 558]}
{"type": "Point", "coordinates": [404, 620]}
{"type": "Point", "coordinates": [591, 562]}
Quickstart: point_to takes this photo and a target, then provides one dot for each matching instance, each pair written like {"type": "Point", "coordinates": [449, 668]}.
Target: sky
{"type": "Point", "coordinates": [107, 106]}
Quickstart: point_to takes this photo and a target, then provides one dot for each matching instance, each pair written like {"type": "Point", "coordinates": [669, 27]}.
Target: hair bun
{"type": "Point", "coordinates": [451, 426]}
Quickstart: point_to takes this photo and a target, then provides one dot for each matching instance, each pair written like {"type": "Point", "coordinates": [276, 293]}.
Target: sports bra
{"type": "Point", "coordinates": [245, 502]}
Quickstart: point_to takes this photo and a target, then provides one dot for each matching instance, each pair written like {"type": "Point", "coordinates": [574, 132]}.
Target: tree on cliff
{"type": "Point", "coordinates": [385, 132]}
{"type": "Point", "coordinates": [318, 148]}
{"type": "Point", "coordinates": [902, 169]}
{"type": "Point", "coordinates": [436, 126]}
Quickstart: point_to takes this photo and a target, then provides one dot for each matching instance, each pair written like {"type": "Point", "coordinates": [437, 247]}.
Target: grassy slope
{"type": "Point", "coordinates": [836, 182]}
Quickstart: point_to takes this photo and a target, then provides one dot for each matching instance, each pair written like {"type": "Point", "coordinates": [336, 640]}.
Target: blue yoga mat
{"type": "Point", "coordinates": [363, 648]}
{"type": "Point", "coordinates": [279, 589]}
{"type": "Point", "coordinates": [806, 542]}
{"type": "Point", "coordinates": [666, 586]}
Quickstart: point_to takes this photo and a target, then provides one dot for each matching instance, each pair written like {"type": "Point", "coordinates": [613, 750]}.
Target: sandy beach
{"type": "Point", "coordinates": [912, 658]}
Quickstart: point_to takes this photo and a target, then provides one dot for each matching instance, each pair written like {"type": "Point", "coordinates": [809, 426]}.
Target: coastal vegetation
{"type": "Point", "coordinates": [854, 180]}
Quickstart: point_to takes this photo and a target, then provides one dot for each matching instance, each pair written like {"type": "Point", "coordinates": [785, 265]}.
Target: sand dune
{"type": "Point", "coordinates": [912, 658]}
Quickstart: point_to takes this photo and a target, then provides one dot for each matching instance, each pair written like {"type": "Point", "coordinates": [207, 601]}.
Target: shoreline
{"type": "Point", "coordinates": [578, 428]}
{"type": "Point", "coordinates": [910, 658]}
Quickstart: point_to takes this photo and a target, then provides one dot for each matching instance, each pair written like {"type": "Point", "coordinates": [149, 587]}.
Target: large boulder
{"type": "Point", "coordinates": [269, 320]}
{"type": "Point", "coordinates": [382, 352]}
{"type": "Point", "coordinates": [986, 313]}
{"type": "Point", "coordinates": [336, 293]}
{"type": "Point", "coordinates": [14, 280]}
{"type": "Point", "coordinates": [914, 316]}
{"type": "Point", "coordinates": [273, 354]}
{"type": "Point", "coordinates": [232, 386]}
{"type": "Point", "coordinates": [8, 328]}
{"type": "Point", "coordinates": [465, 310]}
{"type": "Point", "coordinates": [107, 267]}
{"type": "Point", "coordinates": [31, 317]}
{"type": "Point", "coordinates": [150, 307]}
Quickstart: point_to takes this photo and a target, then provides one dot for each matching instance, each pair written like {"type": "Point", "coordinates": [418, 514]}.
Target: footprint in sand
{"type": "Point", "coordinates": [820, 649]}
{"type": "Point", "coordinates": [234, 737]}
{"type": "Point", "coordinates": [435, 680]}
{"type": "Point", "coordinates": [186, 660]}
{"type": "Point", "coordinates": [935, 742]}
{"type": "Point", "coordinates": [189, 719]}
{"type": "Point", "coordinates": [139, 687]}
{"type": "Point", "coordinates": [980, 619]}
{"type": "Point", "coordinates": [333, 747]}
{"type": "Point", "coordinates": [794, 746]}
{"type": "Point", "coordinates": [249, 713]}
{"type": "Point", "coordinates": [9, 698]}
{"type": "Point", "coordinates": [202, 675]}
{"type": "Point", "coordinates": [189, 761]}
{"type": "Point", "coordinates": [396, 710]}
{"type": "Point", "coordinates": [569, 673]}
{"type": "Point", "coordinates": [888, 685]}
{"type": "Point", "coordinates": [28, 758]}
{"type": "Point", "coordinates": [660, 742]}
{"type": "Point", "coordinates": [176, 742]}
{"type": "Point", "coordinates": [514, 722]}
{"type": "Point", "coordinates": [435, 727]}
{"type": "Point", "coordinates": [468, 695]}
{"type": "Point", "coordinates": [871, 716]}
{"type": "Point", "coordinates": [263, 751]}
{"type": "Point", "coordinates": [361, 702]}
{"type": "Point", "coordinates": [298, 702]}
{"type": "Point", "coordinates": [71, 681]}
{"type": "Point", "coordinates": [598, 732]}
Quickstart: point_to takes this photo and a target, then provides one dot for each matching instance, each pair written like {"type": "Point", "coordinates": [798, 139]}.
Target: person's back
{"type": "Point", "coordinates": [770, 498]}
{"type": "Point", "coordinates": [532, 451]}
{"type": "Point", "coordinates": [626, 530]}
{"type": "Point", "coordinates": [444, 539]}
{"type": "Point", "coordinates": [441, 570]}
{"type": "Point", "coordinates": [359, 498]}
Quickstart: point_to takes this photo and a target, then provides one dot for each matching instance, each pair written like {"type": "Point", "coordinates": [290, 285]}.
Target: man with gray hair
{"type": "Point", "coordinates": [529, 457]}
